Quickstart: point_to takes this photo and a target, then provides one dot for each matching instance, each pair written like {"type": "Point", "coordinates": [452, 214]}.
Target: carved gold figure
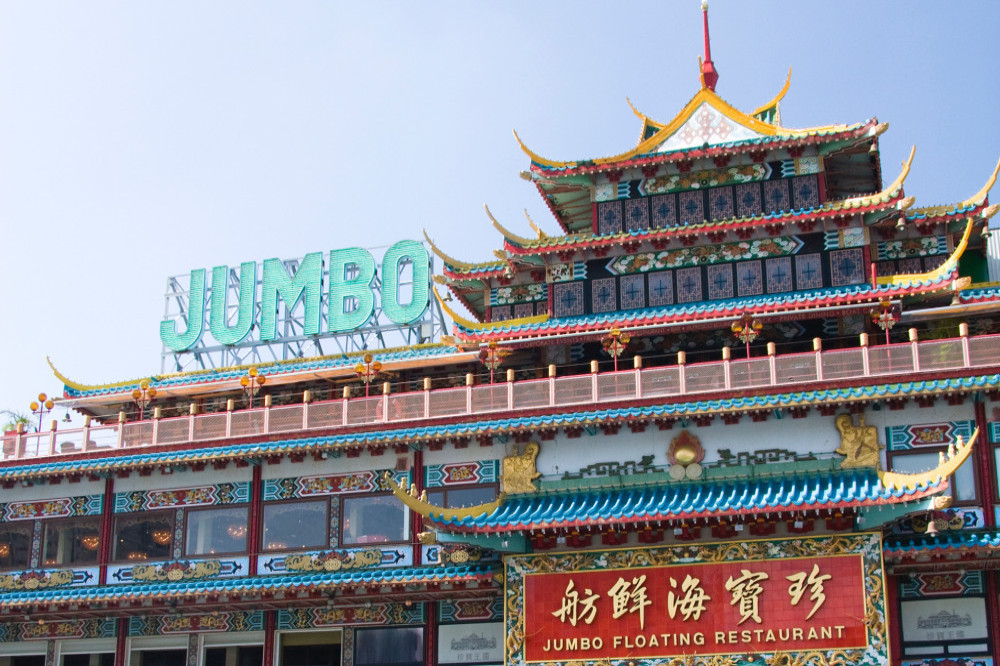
{"type": "Point", "coordinates": [519, 471]}
{"type": "Point", "coordinates": [858, 443]}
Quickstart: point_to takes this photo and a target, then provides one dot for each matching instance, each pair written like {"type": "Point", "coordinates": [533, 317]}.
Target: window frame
{"type": "Point", "coordinates": [17, 525]}
{"type": "Point", "coordinates": [892, 456]}
{"type": "Point", "coordinates": [445, 490]}
{"type": "Point", "coordinates": [193, 512]}
{"type": "Point", "coordinates": [169, 515]}
{"type": "Point", "coordinates": [75, 522]}
{"type": "Point", "coordinates": [343, 518]}
{"type": "Point", "coordinates": [264, 549]}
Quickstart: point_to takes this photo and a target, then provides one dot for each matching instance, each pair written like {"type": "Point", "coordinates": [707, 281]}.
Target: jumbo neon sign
{"type": "Point", "coordinates": [353, 289]}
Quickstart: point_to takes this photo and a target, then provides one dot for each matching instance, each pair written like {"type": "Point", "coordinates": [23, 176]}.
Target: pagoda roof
{"type": "Point", "coordinates": [277, 372]}
{"type": "Point", "coordinates": [690, 131]}
{"type": "Point", "coordinates": [690, 500]}
{"type": "Point", "coordinates": [254, 585]}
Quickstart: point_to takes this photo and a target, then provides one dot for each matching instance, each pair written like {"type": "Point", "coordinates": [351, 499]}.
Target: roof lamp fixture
{"type": "Point", "coordinates": [142, 396]}
{"type": "Point", "coordinates": [901, 223]}
{"type": "Point", "coordinates": [368, 370]}
{"type": "Point", "coordinates": [615, 342]}
{"type": "Point", "coordinates": [492, 356]}
{"type": "Point", "coordinates": [90, 542]}
{"type": "Point", "coordinates": [251, 383]}
{"type": "Point", "coordinates": [746, 330]}
{"type": "Point", "coordinates": [42, 407]}
{"type": "Point", "coordinates": [884, 316]}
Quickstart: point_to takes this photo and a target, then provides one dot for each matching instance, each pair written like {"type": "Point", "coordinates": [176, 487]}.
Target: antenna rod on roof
{"type": "Point", "coordinates": [709, 74]}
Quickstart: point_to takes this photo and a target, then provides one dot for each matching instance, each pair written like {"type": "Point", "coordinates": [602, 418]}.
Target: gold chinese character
{"type": "Point", "coordinates": [815, 583]}
{"type": "Point", "coordinates": [621, 596]}
{"type": "Point", "coordinates": [574, 608]}
{"type": "Point", "coordinates": [692, 603]}
{"type": "Point", "coordinates": [746, 592]}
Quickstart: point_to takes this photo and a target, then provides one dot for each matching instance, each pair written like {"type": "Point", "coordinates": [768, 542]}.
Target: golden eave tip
{"type": "Point", "coordinates": [948, 463]}
{"type": "Point", "coordinates": [420, 505]}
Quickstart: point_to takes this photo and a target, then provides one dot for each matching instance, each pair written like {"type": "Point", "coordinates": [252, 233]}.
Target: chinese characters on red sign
{"type": "Point", "coordinates": [705, 608]}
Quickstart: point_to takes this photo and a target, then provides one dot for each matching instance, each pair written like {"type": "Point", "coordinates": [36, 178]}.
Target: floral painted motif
{"type": "Point", "coordinates": [702, 179]}
{"type": "Point", "coordinates": [704, 254]}
{"type": "Point", "coordinates": [522, 293]}
{"type": "Point", "coordinates": [912, 247]}
{"type": "Point", "coordinates": [36, 580]}
{"type": "Point", "coordinates": [334, 560]}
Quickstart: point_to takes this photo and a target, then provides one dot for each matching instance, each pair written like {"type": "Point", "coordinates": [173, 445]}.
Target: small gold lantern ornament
{"type": "Point", "coordinates": [746, 329]}
{"type": "Point", "coordinates": [884, 316]}
{"type": "Point", "coordinates": [251, 383]}
{"type": "Point", "coordinates": [492, 356]}
{"type": "Point", "coordinates": [368, 370]}
{"type": "Point", "coordinates": [143, 396]}
{"type": "Point", "coordinates": [42, 407]}
{"type": "Point", "coordinates": [615, 342]}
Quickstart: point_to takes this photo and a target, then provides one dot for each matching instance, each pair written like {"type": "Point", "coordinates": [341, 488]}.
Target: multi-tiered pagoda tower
{"type": "Point", "coordinates": [741, 410]}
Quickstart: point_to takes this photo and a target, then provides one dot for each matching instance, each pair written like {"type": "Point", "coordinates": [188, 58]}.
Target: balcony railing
{"type": "Point", "coordinates": [771, 371]}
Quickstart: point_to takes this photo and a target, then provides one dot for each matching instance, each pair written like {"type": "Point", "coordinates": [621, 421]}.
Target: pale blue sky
{"type": "Point", "coordinates": [140, 140]}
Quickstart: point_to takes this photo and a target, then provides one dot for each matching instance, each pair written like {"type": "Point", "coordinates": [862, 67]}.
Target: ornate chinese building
{"type": "Point", "coordinates": [742, 409]}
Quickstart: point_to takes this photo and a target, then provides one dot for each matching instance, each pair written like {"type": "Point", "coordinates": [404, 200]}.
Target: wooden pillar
{"type": "Point", "coordinates": [430, 633]}
{"type": "Point", "coordinates": [107, 531]}
{"type": "Point", "coordinates": [121, 642]}
{"type": "Point", "coordinates": [256, 516]}
{"type": "Point", "coordinates": [987, 476]}
{"type": "Point", "coordinates": [269, 622]}
{"type": "Point", "coordinates": [417, 521]}
{"type": "Point", "coordinates": [894, 628]}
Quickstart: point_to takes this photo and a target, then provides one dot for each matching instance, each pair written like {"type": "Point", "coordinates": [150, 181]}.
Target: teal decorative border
{"type": "Point", "coordinates": [868, 544]}
{"type": "Point", "coordinates": [147, 500]}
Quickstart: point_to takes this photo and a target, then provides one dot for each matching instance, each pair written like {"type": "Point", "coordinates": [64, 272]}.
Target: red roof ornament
{"type": "Point", "coordinates": [709, 75]}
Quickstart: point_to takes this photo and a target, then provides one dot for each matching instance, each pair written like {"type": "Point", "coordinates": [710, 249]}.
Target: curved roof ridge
{"type": "Point", "coordinates": [947, 465]}
{"type": "Point", "coordinates": [948, 266]}
{"type": "Point", "coordinates": [704, 95]}
{"type": "Point", "coordinates": [421, 506]}
{"type": "Point", "coordinates": [476, 326]}
{"type": "Point", "coordinates": [976, 199]}
{"type": "Point", "coordinates": [777, 98]}
{"type": "Point", "coordinates": [507, 234]}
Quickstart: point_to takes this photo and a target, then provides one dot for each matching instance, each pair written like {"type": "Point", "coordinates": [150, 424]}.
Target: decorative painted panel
{"type": "Point", "coordinates": [576, 270]}
{"type": "Point", "coordinates": [632, 292]}
{"type": "Point", "coordinates": [223, 493]}
{"type": "Point", "coordinates": [956, 518]}
{"type": "Point", "coordinates": [522, 293]}
{"type": "Point", "coordinates": [172, 571]}
{"type": "Point", "coordinates": [776, 195]}
{"type": "Point", "coordinates": [328, 484]}
{"type": "Point", "coordinates": [779, 275]}
{"type": "Point", "coordinates": [847, 267]}
{"type": "Point", "coordinates": [689, 285]}
{"type": "Point", "coordinates": [636, 215]}
{"type": "Point", "coordinates": [568, 300]}
{"type": "Point", "coordinates": [603, 295]}
{"type": "Point", "coordinates": [500, 313]}
{"type": "Point", "coordinates": [748, 200]}
{"type": "Point", "coordinates": [749, 278]}
{"type": "Point", "coordinates": [760, 248]}
{"type": "Point", "coordinates": [11, 632]}
{"type": "Point", "coordinates": [720, 203]}
{"type": "Point", "coordinates": [370, 614]}
{"type": "Point", "coordinates": [460, 474]}
{"type": "Point", "coordinates": [946, 584]}
{"type": "Point", "coordinates": [808, 271]}
{"type": "Point", "coordinates": [466, 610]}
{"type": "Point", "coordinates": [63, 507]}
{"type": "Point", "coordinates": [609, 218]}
{"type": "Point", "coordinates": [720, 281]}
{"type": "Point", "coordinates": [160, 625]}
{"type": "Point", "coordinates": [915, 436]}
{"type": "Point", "coordinates": [912, 247]}
{"type": "Point", "coordinates": [805, 192]}
{"type": "Point", "coordinates": [951, 661]}
{"type": "Point", "coordinates": [706, 125]}
{"type": "Point", "coordinates": [844, 238]}
{"type": "Point", "coordinates": [691, 207]}
{"type": "Point", "coordinates": [47, 579]}
{"type": "Point", "coordinates": [661, 288]}
{"type": "Point", "coordinates": [346, 559]}
{"type": "Point", "coordinates": [664, 211]}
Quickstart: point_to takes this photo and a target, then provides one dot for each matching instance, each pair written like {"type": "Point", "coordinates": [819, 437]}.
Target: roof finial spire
{"type": "Point", "coordinates": [708, 72]}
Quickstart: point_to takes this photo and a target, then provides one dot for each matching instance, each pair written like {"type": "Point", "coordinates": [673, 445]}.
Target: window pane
{"type": "Point", "coordinates": [213, 531]}
{"type": "Point", "coordinates": [471, 496]}
{"type": "Point", "coordinates": [15, 545]}
{"type": "Point", "coordinates": [389, 646]}
{"type": "Point", "coordinates": [144, 536]}
{"type": "Point", "coordinates": [963, 482]}
{"type": "Point", "coordinates": [294, 525]}
{"type": "Point", "coordinates": [72, 542]}
{"type": "Point", "coordinates": [378, 519]}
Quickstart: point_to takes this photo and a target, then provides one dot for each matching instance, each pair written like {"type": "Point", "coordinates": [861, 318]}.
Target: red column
{"type": "Point", "coordinates": [121, 653]}
{"type": "Point", "coordinates": [416, 520]}
{"type": "Point", "coordinates": [893, 627]}
{"type": "Point", "coordinates": [256, 510]}
{"type": "Point", "coordinates": [107, 531]}
{"type": "Point", "coordinates": [986, 478]}
{"type": "Point", "coordinates": [430, 633]}
{"type": "Point", "coordinates": [268, 638]}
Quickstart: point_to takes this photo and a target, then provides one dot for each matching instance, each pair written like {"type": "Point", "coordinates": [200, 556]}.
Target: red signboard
{"type": "Point", "coordinates": [794, 604]}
